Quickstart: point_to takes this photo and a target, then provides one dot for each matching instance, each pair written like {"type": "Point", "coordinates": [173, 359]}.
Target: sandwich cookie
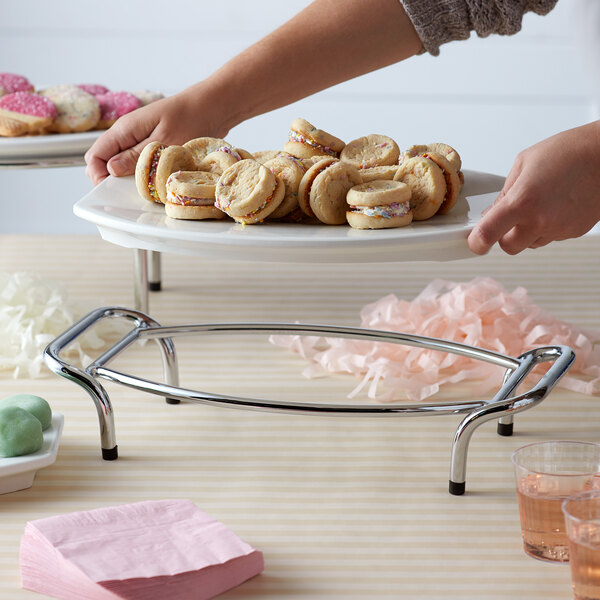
{"type": "Point", "coordinates": [221, 159]}
{"type": "Point", "coordinates": [379, 205]}
{"type": "Point", "coordinates": [248, 192]}
{"type": "Point", "coordinates": [377, 173]}
{"type": "Point", "coordinates": [24, 113]}
{"type": "Point", "coordinates": [155, 163]}
{"type": "Point", "coordinates": [427, 184]}
{"type": "Point", "coordinates": [290, 170]}
{"type": "Point", "coordinates": [114, 105]}
{"type": "Point", "coordinates": [200, 147]}
{"type": "Point", "coordinates": [305, 140]}
{"type": "Point", "coordinates": [191, 195]}
{"type": "Point", "coordinates": [453, 181]}
{"type": "Point", "coordinates": [371, 151]}
{"type": "Point", "coordinates": [322, 191]}
{"type": "Point", "coordinates": [448, 152]}
{"type": "Point", "coordinates": [262, 156]}
{"type": "Point", "coordinates": [77, 110]}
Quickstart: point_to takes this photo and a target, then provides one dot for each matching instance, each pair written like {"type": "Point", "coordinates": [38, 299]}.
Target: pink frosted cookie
{"type": "Point", "coordinates": [25, 113]}
{"type": "Point", "coordinates": [95, 89]}
{"type": "Point", "coordinates": [114, 105]}
{"type": "Point", "coordinates": [15, 83]}
{"type": "Point", "coordinates": [77, 110]}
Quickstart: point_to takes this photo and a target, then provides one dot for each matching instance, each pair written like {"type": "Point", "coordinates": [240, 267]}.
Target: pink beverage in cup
{"type": "Point", "coordinates": [582, 520]}
{"type": "Point", "coordinates": [546, 474]}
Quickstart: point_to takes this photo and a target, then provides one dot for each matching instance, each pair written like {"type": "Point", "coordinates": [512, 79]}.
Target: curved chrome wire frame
{"type": "Point", "coordinates": [502, 406]}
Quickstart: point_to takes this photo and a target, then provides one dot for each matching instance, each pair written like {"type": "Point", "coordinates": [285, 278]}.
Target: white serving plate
{"type": "Point", "coordinates": [18, 472]}
{"type": "Point", "coordinates": [125, 219]}
{"type": "Point", "coordinates": [44, 147]}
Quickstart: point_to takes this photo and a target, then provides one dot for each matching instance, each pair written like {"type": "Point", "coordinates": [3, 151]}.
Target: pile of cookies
{"type": "Point", "coordinates": [62, 108]}
{"type": "Point", "coordinates": [317, 178]}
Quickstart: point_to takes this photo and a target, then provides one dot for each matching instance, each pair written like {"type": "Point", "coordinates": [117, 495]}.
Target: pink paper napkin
{"type": "Point", "coordinates": [155, 549]}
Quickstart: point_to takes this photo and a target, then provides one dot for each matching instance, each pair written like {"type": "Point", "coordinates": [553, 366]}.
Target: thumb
{"type": "Point", "coordinates": [124, 163]}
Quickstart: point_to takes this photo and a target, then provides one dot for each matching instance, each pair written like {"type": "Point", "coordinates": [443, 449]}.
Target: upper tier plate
{"type": "Point", "coordinates": [125, 219]}
{"type": "Point", "coordinates": [43, 147]}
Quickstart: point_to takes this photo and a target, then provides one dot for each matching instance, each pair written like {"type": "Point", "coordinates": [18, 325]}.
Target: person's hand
{"type": "Point", "coordinates": [173, 120]}
{"type": "Point", "coordinates": [551, 193]}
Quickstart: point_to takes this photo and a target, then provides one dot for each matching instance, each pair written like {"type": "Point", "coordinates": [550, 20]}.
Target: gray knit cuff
{"type": "Point", "coordinates": [440, 21]}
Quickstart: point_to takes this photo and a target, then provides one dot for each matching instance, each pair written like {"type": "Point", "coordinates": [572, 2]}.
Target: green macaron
{"type": "Point", "coordinates": [37, 406]}
{"type": "Point", "coordinates": [20, 432]}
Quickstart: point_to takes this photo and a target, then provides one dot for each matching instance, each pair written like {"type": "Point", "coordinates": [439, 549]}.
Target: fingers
{"type": "Point", "coordinates": [124, 163]}
{"type": "Point", "coordinates": [495, 222]}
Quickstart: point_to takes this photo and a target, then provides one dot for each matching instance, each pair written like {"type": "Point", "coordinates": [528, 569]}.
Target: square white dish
{"type": "Point", "coordinates": [18, 472]}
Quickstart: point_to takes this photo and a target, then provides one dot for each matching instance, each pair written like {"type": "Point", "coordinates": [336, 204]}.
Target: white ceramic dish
{"type": "Point", "coordinates": [18, 472]}
{"type": "Point", "coordinates": [125, 219]}
{"type": "Point", "coordinates": [43, 147]}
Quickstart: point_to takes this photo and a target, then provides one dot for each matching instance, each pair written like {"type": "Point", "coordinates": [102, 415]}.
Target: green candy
{"type": "Point", "coordinates": [20, 432]}
{"type": "Point", "coordinates": [35, 405]}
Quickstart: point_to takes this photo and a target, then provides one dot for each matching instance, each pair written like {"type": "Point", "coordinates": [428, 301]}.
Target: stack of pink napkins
{"type": "Point", "coordinates": [167, 549]}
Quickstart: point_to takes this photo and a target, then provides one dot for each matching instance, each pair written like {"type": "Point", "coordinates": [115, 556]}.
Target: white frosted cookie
{"type": "Point", "coordinates": [77, 110]}
{"type": "Point", "coordinates": [379, 204]}
{"type": "Point", "coordinates": [290, 170]}
{"type": "Point", "coordinates": [323, 189]}
{"type": "Point", "coordinates": [371, 151]}
{"type": "Point", "coordinates": [248, 192]}
{"type": "Point", "coordinates": [305, 140]}
{"type": "Point", "coordinates": [448, 152]}
{"type": "Point", "coordinates": [427, 185]}
{"type": "Point", "coordinates": [191, 195]}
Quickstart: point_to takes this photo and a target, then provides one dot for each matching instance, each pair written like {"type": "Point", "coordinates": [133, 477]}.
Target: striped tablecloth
{"type": "Point", "coordinates": [341, 507]}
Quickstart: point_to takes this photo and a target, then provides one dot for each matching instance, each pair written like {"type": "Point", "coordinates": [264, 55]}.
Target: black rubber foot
{"type": "Point", "coordinates": [505, 429]}
{"type": "Point", "coordinates": [154, 286]}
{"type": "Point", "coordinates": [172, 401]}
{"type": "Point", "coordinates": [110, 453]}
{"type": "Point", "coordinates": [457, 489]}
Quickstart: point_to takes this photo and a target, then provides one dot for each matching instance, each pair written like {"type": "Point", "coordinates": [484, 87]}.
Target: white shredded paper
{"type": "Point", "coordinates": [33, 312]}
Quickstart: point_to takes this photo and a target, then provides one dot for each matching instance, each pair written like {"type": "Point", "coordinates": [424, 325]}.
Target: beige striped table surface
{"type": "Point", "coordinates": [341, 507]}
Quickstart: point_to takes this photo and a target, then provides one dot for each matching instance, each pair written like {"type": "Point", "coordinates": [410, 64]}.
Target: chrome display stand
{"type": "Point", "coordinates": [504, 405]}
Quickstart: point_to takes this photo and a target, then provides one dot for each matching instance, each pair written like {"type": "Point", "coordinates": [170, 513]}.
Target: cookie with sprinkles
{"type": "Point", "coordinates": [427, 184]}
{"type": "Point", "coordinates": [323, 189]}
{"type": "Point", "coordinates": [371, 151]}
{"type": "Point", "coordinates": [249, 192]}
{"type": "Point", "coordinates": [191, 195]}
{"type": "Point", "coordinates": [25, 113]}
{"type": "Point", "coordinates": [222, 158]}
{"type": "Point", "coordinates": [77, 110]}
{"type": "Point", "coordinates": [305, 140]}
{"type": "Point", "coordinates": [379, 204]}
{"type": "Point", "coordinates": [290, 170]}
{"type": "Point", "coordinates": [202, 146]}
{"type": "Point", "coordinates": [145, 171]}
{"type": "Point", "coordinates": [114, 105]}
{"type": "Point", "coordinates": [448, 152]}
{"type": "Point", "coordinates": [12, 82]}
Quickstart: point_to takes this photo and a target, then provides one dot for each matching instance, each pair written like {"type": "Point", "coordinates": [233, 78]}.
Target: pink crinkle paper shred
{"type": "Point", "coordinates": [479, 313]}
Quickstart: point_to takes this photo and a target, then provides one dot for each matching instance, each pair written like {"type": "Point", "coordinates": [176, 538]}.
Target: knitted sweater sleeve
{"type": "Point", "coordinates": [441, 21]}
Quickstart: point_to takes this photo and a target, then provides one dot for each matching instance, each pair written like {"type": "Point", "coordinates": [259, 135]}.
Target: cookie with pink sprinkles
{"type": "Point", "coordinates": [24, 113]}
{"type": "Point", "coordinates": [114, 105]}
{"type": "Point", "coordinates": [11, 82]}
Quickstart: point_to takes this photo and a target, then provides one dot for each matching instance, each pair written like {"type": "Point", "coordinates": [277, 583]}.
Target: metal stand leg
{"type": "Point", "coordinates": [140, 280]}
{"type": "Point", "coordinates": [505, 426]}
{"type": "Point", "coordinates": [154, 283]}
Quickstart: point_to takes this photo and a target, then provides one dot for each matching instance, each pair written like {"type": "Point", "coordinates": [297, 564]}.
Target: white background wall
{"type": "Point", "coordinates": [487, 97]}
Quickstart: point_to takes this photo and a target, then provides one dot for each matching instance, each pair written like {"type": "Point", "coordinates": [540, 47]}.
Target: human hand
{"type": "Point", "coordinates": [551, 193]}
{"type": "Point", "coordinates": [173, 120]}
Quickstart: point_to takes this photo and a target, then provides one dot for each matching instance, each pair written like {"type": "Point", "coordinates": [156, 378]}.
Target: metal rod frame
{"type": "Point", "coordinates": [503, 406]}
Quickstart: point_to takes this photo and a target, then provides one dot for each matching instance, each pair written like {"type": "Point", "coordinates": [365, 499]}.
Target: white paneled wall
{"type": "Point", "coordinates": [488, 97]}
